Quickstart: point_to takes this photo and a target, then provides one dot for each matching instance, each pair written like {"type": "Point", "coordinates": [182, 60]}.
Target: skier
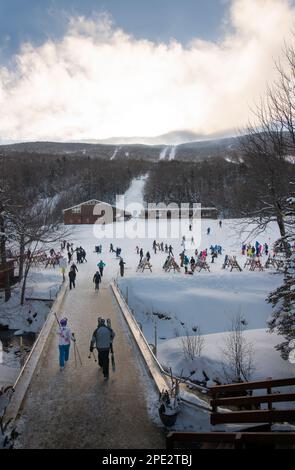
{"type": "Point", "coordinates": [97, 280]}
{"type": "Point", "coordinates": [83, 255]}
{"type": "Point", "coordinates": [65, 337]}
{"type": "Point", "coordinates": [182, 258]}
{"type": "Point", "coordinates": [69, 256]}
{"type": "Point", "coordinates": [72, 277]}
{"type": "Point", "coordinates": [112, 248]}
{"type": "Point", "coordinates": [266, 249]}
{"type": "Point", "coordinates": [79, 255]}
{"type": "Point", "coordinates": [118, 252]}
{"type": "Point", "coordinates": [74, 268]}
{"type": "Point", "coordinates": [208, 231]}
{"type": "Point", "coordinates": [186, 263]}
{"type": "Point", "coordinates": [214, 255]}
{"type": "Point", "coordinates": [171, 251]}
{"type": "Point", "coordinates": [101, 265]}
{"type": "Point", "coordinates": [102, 339]}
{"type": "Point", "coordinates": [220, 223]}
{"type": "Point", "coordinates": [148, 256]}
{"type": "Point", "coordinates": [141, 255]}
{"type": "Point", "coordinates": [225, 262]}
{"type": "Point", "coordinates": [63, 267]}
{"type": "Point", "coordinates": [122, 267]}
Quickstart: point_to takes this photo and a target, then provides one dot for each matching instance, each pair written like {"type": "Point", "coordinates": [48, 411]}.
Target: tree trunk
{"type": "Point", "coordinates": [21, 258]}
{"type": "Point", "coordinates": [25, 276]}
{"type": "Point", "coordinates": [280, 220]}
{"type": "Point", "coordinates": [3, 259]}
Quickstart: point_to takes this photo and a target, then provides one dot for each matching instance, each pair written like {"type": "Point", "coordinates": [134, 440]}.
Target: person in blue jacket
{"type": "Point", "coordinates": [101, 265]}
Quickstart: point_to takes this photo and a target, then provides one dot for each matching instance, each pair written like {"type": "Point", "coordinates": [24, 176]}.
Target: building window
{"type": "Point", "coordinates": [76, 210]}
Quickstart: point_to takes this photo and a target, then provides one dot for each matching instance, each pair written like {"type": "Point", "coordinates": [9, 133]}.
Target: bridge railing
{"type": "Point", "coordinates": [237, 396]}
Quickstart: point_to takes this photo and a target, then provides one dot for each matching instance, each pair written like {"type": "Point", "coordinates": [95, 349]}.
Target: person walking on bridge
{"type": "Point", "coordinates": [102, 339]}
{"type": "Point", "coordinates": [65, 338]}
{"type": "Point", "coordinates": [72, 277]}
{"type": "Point", "coordinates": [97, 280]}
{"type": "Point", "coordinates": [101, 265]}
{"type": "Point", "coordinates": [122, 267]}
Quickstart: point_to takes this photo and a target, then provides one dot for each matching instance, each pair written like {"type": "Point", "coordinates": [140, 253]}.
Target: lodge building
{"type": "Point", "coordinates": [92, 212]}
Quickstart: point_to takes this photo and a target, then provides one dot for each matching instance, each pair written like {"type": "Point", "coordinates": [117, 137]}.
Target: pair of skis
{"type": "Point", "coordinates": [111, 348]}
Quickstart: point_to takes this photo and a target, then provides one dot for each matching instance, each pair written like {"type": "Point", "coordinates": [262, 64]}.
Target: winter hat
{"type": "Point", "coordinates": [64, 322]}
{"type": "Point", "coordinates": [99, 320]}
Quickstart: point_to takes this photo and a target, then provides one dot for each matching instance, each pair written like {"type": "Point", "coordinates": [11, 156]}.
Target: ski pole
{"type": "Point", "coordinates": [89, 357]}
{"type": "Point", "coordinates": [79, 356]}
{"type": "Point", "coordinates": [56, 319]}
{"type": "Point", "coordinates": [75, 355]}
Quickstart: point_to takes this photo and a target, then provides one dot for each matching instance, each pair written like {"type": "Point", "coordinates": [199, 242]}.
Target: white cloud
{"type": "Point", "coordinates": [99, 82]}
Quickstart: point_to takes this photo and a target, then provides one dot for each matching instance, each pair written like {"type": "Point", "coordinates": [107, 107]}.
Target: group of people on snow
{"type": "Point", "coordinates": [81, 255]}
{"type": "Point", "coordinates": [255, 250]}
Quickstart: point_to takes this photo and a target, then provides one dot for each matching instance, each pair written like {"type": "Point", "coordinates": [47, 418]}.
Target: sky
{"type": "Point", "coordinates": [92, 69]}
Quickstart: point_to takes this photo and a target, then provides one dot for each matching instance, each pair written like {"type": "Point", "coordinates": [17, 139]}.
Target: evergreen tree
{"type": "Point", "coordinates": [283, 301]}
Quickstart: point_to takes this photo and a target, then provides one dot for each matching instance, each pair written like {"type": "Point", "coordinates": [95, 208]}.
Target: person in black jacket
{"type": "Point", "coordinates": [141, 255]}
{"type": "Point", "coordinates": [97, 280]}
{"type": "Point", "coordinates": [102, 339]}
{"type": "Point", "coordinates": [72, 277]}
{"type": "Point", "coordinates": [122, 267]}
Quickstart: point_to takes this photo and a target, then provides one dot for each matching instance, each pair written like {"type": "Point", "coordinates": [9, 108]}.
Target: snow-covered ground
{"type": "Point", "coordinates": [41, 284]}
{"type": "Point", "coordinates": [267, 361]}
{"type": "Point", "coordinates": [208, 300]}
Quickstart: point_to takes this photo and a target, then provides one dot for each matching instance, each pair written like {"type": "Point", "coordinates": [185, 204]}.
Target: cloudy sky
{"type": "Point", "coordinates": [93, 69]}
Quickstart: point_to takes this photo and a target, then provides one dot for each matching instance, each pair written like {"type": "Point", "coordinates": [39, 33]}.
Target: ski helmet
{"type": "Point", "coordinates": [64, 322]}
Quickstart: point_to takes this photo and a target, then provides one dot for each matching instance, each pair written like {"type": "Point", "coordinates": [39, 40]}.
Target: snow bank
{"type": "Point", "coordinates": [42, 284]}
{"type": "Point", "coordinates": [207, 300]}
{"type": "Point", "coordinates": [268, 362]}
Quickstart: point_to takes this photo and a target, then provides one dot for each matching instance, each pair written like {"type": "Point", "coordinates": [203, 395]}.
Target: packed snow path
{"type": "Point", "coordinates": [76, 408]}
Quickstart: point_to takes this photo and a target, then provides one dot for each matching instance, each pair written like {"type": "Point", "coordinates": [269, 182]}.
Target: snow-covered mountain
{"type": "Point", "coordinates": [189, 151]}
